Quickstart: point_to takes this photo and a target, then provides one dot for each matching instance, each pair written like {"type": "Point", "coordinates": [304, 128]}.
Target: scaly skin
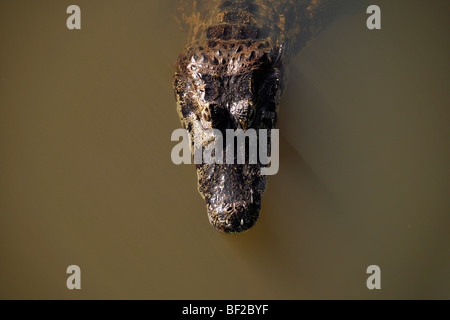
{"type": "Point", "coordinates": [231, 76]}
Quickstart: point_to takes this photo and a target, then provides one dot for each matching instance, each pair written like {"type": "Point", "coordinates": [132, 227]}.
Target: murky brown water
{"type": "Point", "coordinates": [86, 176]}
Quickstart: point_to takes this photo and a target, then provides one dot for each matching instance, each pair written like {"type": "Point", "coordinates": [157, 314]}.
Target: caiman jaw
{"type": "Point", "coordinates": [232, 194]}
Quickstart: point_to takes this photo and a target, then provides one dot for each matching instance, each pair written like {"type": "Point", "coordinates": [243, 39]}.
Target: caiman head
{"type": "Point", "coordinates": [229, 85]}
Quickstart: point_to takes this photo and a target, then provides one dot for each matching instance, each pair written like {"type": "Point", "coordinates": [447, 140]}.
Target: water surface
{"type": "Point", "coordinates": [86, 176]}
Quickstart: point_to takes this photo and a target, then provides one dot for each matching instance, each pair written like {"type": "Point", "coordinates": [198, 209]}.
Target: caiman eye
{"type": "Point", "coordinates": [270, 91]}
{"type": "Point", "coordinates": [273, 84]}
{"type": "Point", "coordinates": [228, 210]}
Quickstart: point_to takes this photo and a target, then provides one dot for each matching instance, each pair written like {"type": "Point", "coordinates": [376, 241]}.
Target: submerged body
{"type": "Point", "coordinates": [231, 76]}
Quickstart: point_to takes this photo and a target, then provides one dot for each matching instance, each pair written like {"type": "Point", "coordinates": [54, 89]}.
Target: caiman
{"type": "Point", "coordinates": [231, 75]}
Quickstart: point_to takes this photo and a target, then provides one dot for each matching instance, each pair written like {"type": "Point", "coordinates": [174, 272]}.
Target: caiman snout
{"type": "Point", "coordinates": [232, 218]}
{"type": "Point", "coordinates": [233, 195]}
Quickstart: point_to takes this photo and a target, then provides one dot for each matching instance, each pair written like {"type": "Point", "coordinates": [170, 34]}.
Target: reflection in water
{"type": "Point", "coordinates": [86, 176]}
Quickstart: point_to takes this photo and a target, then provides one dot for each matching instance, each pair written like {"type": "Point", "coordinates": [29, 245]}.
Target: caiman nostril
{"type": "Point", "coordinates": [234, 218]}
{"type": "Point", "coordinates": [229, 210]}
